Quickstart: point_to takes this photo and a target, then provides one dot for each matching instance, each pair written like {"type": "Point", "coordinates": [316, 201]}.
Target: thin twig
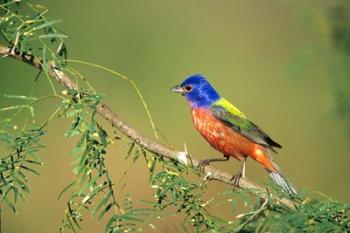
{"type": "Point", "coordinates": [148, 144]}
{"type": "Point", "coordinates": [133, 84]}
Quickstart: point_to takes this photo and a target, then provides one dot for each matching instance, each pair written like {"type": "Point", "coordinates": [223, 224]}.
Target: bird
{"type": "Point", "coordinates": [229, 131]}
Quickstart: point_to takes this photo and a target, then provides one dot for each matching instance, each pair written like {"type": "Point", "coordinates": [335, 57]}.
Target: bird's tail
{"type": "Point", "coordinates": [282, 182]}
{"type": "Point", "coordinates": [272, 168]}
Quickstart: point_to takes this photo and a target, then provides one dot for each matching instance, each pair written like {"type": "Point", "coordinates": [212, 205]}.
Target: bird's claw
{"type": "Point", "coordinates": [235, 178]}
{"type": "Point", "coordinates": [202, 164]}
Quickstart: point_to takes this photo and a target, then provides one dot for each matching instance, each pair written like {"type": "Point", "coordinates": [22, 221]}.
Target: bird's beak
{"type": "Point", "coordinates": [177, 89]}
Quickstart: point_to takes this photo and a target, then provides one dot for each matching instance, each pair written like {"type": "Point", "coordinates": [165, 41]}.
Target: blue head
{"type": "Point", "coordinates": [198, 91]}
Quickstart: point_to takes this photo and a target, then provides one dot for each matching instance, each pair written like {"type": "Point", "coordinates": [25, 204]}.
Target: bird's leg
{"type": "Point", "coordinates": [203, 163]}
{"type": "Point", "coordinates": [240, 173]}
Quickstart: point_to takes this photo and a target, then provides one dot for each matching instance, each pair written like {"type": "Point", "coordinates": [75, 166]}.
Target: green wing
{"type": "Point", "coordinates": [235, 119]}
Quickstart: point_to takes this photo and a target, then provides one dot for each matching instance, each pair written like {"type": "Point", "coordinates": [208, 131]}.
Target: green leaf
{"type": "Point", "coordinates": [103, 135]}
{"type": "Point", "coordinates": [110, 222]}
{"type": "Point", "coordinates": [53, 35]}
{"type": "Point", "coordinates": [130, 217]}
{"type": "Point", "coordinates": [93, 193]}
{"type": "Point", "coordinates": [151, 164]}
{"type": "Point", "coordinates": [102, 203]}
{"type": "Point", "coordinates": [137, 154]}
{"type": "Point", "coordinates": [30, 169]}
{"type": "Point", "coordinates": [6, 138]}
{"type": "Point", "coordinates": [105, 210]}
{"type": "Point", "coordinates": [131, 148]}
{"type": "Point", "coordinates": [66, 188]}
{"type": "Point", "coordinates": [20, 97]}
{"type": "Point", "coordinates": [34, 162]}
{"type": "Point", "coordinates": [44, 58]}
{"type": "Point", "coordinates": [30, 108]}
{"type": "Point", "coordinates": [46, 24]}
{"type": "Point", "coordinates": [23, 185]}
{"type": "Point", "coordinates": [89, 185]}
{"type": "Point", "coordinates": [10, 205]}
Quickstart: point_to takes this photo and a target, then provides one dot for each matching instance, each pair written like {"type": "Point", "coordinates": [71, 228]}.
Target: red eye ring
{"type": "Point", "coordinates": [188, 88]}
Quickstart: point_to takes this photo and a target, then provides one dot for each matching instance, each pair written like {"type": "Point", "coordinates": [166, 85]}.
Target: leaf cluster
{"type": "Point", "coordinates": [25, 28]}
{"type": "Point", "coordinates": [19, 161]}
{"type": "Point", "coordinates": [91, 175]}
{"type": "Point", "coordinates": [311, 216]}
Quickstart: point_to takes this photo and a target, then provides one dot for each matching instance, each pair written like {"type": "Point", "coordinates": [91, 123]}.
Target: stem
{"type": "Point", "coordinates": [130, 81]}
{"type": "Point", "coordinates": [34, 102]}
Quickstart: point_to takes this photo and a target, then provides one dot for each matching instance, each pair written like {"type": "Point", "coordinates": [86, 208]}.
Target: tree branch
{"type": "Point", "coordinates": [149, 144]}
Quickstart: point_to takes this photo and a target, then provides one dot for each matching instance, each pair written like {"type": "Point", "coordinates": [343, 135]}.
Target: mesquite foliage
{"type": "Point", "coordinates": [178, 187]}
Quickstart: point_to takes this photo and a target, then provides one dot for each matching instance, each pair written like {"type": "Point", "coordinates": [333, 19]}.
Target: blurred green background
{"type": "Point", "coordinates": [283, 63]}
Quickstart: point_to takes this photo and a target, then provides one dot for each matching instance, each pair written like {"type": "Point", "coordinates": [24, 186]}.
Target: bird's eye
{"type": "Point", "coordinates": [188, 88]}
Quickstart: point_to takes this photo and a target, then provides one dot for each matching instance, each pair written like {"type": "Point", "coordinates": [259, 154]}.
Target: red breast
{"type": "Point", "coordinates": [227, 140]}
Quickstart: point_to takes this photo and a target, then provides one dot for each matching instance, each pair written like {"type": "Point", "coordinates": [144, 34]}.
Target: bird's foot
{"type": "Point", "coordinates": [202, 164]}
{"type": "Point", "coordinates": [235, 178]}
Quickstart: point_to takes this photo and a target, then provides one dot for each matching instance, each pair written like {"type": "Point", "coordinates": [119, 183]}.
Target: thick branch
{"type": "Point", "coordinates": [145, 142]}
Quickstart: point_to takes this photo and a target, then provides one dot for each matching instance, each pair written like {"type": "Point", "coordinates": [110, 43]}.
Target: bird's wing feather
{"type": "Point", "coordinates": [235, 119]}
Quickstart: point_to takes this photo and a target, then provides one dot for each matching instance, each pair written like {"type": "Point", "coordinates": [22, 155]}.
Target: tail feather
{"type": "Point", "coordinates": [282, 182]}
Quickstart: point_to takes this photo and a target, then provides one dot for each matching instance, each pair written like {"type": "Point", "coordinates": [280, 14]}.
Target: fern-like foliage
{"type": "Point", "coordinates": [20, 160]}
{"type": "Point", "coordinates": [311, 216]}
{"type": "Point", "coordinates": [92, 177]}
{"type": "Point", "coordinates": [24, 26]}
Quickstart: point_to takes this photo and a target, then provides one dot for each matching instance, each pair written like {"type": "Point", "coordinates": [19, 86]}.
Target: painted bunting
{"type": "Point", "coordinates": [228, 130]}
